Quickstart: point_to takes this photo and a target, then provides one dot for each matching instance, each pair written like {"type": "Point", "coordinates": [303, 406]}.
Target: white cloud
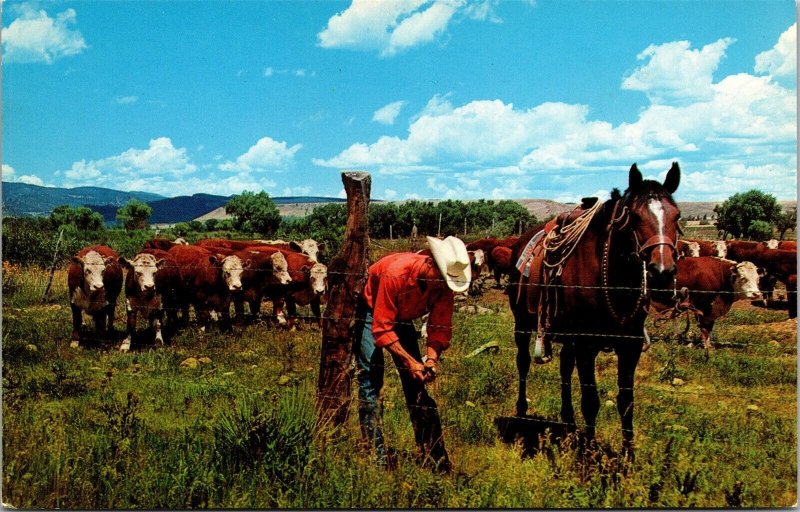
{"type": "Point", "coordinates": [7, 173]}
{"type": "Point", "coordinates": [269, 71]}
{"type": "Point", "coordinates": [389, 194]}
{"type": "Point", "coordinates": [126, 100]}
{"type": "Point", "coordinates": [740, 119]}
{"type": "Point", "coordinates": [31, 180]}
{"type": "Point", "coordinates": [159, 160]}
{"type": "Point", "coordinates": [675, 73]}
{"type": "Point", "coordinates": [388, 113]}
{"type": "Point", "coordinates": [781, 60]}
{"type": "Point", "coordinates": [390, 26]}
{"type": "Point", "coordinates": [267, 154]}
{"type": "Point", "coordinates": [36, 37]}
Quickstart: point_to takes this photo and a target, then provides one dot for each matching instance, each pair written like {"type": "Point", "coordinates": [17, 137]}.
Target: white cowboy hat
{"type": "Point", "coordinates": [452, 260]}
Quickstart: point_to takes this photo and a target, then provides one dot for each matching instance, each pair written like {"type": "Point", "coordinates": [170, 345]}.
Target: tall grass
{"type": "Point", "coordinates": [95, 428]}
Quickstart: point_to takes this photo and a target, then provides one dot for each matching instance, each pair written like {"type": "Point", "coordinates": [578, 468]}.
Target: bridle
{"type": "Point", "coordinates": [620, 219]}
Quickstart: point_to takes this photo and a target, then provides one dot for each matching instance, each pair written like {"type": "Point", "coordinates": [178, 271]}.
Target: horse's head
{"type": "Point", "coordinates": [652, 217]}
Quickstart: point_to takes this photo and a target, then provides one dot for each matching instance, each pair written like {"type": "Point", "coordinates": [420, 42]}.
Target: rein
{"type": "Point", "coordinates": [623, 219]}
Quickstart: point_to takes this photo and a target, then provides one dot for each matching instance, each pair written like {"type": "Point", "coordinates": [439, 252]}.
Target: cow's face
{"type": "Point", "coordinates": [691, 249]}
{"type": "Point", "coordinates": [280, 268]}
{"type": "Point", "coordinates": [309, 247]}
{"type": "Point", "coordinates": [93, 266]}
{"type": "Point", "coordinates": [232, 273]}
{"type": "Point", "coordinates": [478, 258]}
{"type": "Point", "coordinates": [180, 241]}
{"type": "Point", "coordinates": [745, 281]}
{"type": "Point", "coordinates": [144, 267]}
{"type": "Point", "coordinates": [771, 244]}
{"type": "Point", "coordinates": [720, 249]}
{"type": "Point", "coordinates": [318, 278]}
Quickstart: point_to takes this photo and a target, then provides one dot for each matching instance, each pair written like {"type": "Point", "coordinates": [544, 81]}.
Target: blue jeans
{"type": "Point", "coordinates": [421, 407]}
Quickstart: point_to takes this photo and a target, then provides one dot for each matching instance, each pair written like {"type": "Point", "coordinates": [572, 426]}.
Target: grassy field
{"type": "Point", "coordinates": [94, 428]}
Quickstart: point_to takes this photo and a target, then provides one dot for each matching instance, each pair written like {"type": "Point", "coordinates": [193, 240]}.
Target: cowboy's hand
{"type": "Point", "coordinates": [430, 370]}
{"type": "Point", "coordinates": [417, 370]}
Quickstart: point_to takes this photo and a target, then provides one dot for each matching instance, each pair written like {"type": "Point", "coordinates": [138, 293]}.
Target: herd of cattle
{"type": "Point", "coordinates": [167, 277]}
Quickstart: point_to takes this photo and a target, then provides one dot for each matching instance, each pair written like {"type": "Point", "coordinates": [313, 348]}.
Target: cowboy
{"type": "Point", "coordinates": [400, 288]}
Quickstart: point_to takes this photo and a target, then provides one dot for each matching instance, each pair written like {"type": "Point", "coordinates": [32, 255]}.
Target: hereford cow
{"type": "Point", "coordinates": [716, 248]}
{"type": "Point", "coordinates": [94, 280]}
{"type": "Point", "coordinates": [501, 258]}
{"type": "Point", "coordinates": [688, 248]}
{"type": "Point", "coordinates": [263, 270]}
{"type": "Point", "coordinates": [206, 282]}
{"type": "Point", "coordinates": [712, 285]}
{"type": "Point", "coordinates": [787, 245]}
{"type": "Point", "coordinates": [150, 288]}
{"type": "Point", "coordinates": [163, 244]}
{"type": "Point", "coordinates": [487, 245]}
{"type": "Point", "coordinates": [309, 246]}
{"type": "Point", "coordinates": [308, 286]}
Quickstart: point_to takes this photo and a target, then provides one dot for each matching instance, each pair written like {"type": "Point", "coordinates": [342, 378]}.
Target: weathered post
{"type": "Point", "coordinates": [346, 279]}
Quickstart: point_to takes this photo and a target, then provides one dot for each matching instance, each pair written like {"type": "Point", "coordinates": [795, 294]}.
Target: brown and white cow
{"type": "Point", "coordinates": [688, 248]}
{"type": "Point", "coordinates": [145, 285]}
{"type": "Point", "coordinates": [94, 281]}
{"type": "Point", "coordinates": [309, 246]}
{"type": "Point", "coordinates": [263, 270]}
{"type": "Point", "coordinates": [207, 281]}
{"type": "Point", "coordinates": [308, 287]}
{"type": "Point", "coordinates": [716, 248]}
{"type": "Point", "coordinates": [712, 284]}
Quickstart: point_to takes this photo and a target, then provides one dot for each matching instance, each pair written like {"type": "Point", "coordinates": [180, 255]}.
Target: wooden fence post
{"type": "Point", "coordinates": [346, 279]}
{"type": "Point", "coordinates": [53, 266]}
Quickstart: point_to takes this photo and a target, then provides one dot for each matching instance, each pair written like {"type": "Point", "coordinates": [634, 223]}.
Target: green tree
{"type": "Point", "coordinates": [212, 224]}
{"type": "Point", "coordinates": [381, 217]}
{"type": "Point", "coordinates": [134, 215]}
{"type": "Point", "coordinates": [254, 213]}
{"type": "Point", "coordinates": [785, 221]}
{"type": "Point", "coordinates": [82, 218]}
{"type": "Point", "coordinates": [759, 231]}
{"type": "Point", "coordinates": [739, 211]}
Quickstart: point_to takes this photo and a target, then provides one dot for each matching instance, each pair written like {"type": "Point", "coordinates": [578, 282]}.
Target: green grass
{"type": "Point", "coordinates": [95, 428]}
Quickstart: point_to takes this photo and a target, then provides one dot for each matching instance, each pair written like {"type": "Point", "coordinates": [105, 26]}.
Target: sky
{"type": "Point", "coordinates": [458, 99]}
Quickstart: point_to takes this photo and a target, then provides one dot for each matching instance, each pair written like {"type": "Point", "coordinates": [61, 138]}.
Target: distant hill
{"type": "Point", "coordinates": [22, 199]}
{"type": "Point", "coordinates": [170, 210]}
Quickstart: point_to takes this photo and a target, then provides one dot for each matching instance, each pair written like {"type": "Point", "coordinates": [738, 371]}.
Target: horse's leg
{"type": "Point", "coordinates": [590, 401]}
{"type": "Point", "coordinates": [566, 367]}
{"type": "Point", "coordinates": [628, 353]}
{"type": "Point", "coordinates": [523, 327]}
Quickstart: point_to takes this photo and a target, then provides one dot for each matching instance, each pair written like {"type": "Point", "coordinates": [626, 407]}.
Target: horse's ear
{"type": "Point", "coordinates": [634, 178]}
{"type": "Point", "coordinates": [673, 178]}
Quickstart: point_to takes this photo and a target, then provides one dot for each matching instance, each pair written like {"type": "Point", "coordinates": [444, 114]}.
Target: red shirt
{"type": "Point", "coordinates": [394, 295]}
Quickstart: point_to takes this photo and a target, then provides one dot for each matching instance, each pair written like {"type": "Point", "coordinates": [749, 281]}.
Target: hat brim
{"type": "Point", "coordinates": [458, 283]}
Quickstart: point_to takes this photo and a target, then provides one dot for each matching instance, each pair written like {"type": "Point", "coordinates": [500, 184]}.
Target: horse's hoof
{"type": "Point", "coordinates": [542, 359]}
{"type": "Point", "coordinates": [74, 344]}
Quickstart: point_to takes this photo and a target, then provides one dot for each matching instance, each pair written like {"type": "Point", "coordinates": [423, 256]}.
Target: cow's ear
{"type": "Point", "coordinates": [77, 260]}
{"type": "Point", "coordinates": [125, 263]}
{"type": "Point", "coordinates": [295, 246]}
{"type": "Point", "coordinates": [247, 263]}
{"type": "Point", "coordinates": [160, 263]}
{"type": "Point", "coordinates": [108, 260]}
{"type": "Point", "coordinates": [321, 246]}
{"type": "Point", "coordinates": [213, 259]}
{"type": "Point", "coordinates": [634, 178]}
{"type": "Point", "coordinates": [673, 178]}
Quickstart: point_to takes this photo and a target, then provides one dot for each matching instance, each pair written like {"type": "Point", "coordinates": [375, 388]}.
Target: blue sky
{"type": "Point", "coordinates": [436, 98]}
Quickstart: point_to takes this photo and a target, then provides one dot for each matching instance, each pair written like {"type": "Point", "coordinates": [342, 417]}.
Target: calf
{"type": "Point", "coordinates": [688, 248]}
{"type": "Point", "coordinates": [163, 244]}
{"type": "Point", "coordinates": [716, 248]}
{"type": "Point", "coordinates": [309, 246]}
{"type": "Point", "coordinates": [144, 286]}
{"type": "Point", "coordinates": [94, 280]}
{"type": "Point", "coordinates": [713, 285]}
{"type": "Point", "coordinates": [263, 270]}
{"type": "Point", "coordinates": [308, 286]}
{"type": "Point", "coordinates": [206, 282]}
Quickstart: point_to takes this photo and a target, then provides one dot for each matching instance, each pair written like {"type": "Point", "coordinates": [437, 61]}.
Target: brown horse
{"type": "Point", "coordinates": [592, 294]}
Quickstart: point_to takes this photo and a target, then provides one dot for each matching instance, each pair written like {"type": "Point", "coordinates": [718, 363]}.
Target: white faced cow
{"type": "Point", "coordinates": [143, 295]}
{"type": "Point", "coordinates": [94, 280]}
